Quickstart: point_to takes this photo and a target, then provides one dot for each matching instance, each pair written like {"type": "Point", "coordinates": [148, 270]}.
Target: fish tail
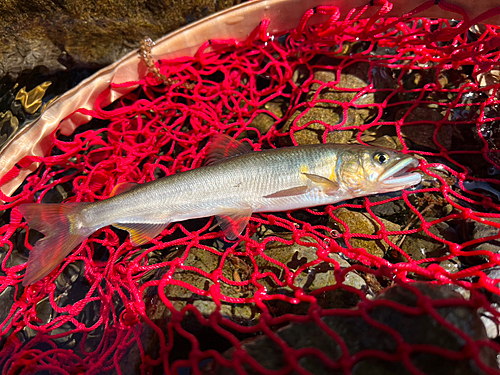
{"type": "Point", "coordinates": [63, 231]}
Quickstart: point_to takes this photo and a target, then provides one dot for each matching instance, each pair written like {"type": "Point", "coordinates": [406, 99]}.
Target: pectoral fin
{"type": "Point", "coordinates": [234, 222]}
{"type": "Point", "coordinates": [298, 190]}
{"type": "Point", "coordinates": [326, 185]}
{"type": "Point", "coordinates": [141, 233]}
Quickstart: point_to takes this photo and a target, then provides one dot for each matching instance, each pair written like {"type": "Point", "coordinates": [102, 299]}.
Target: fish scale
{"type": "Point", "coordinates": [230, 189]}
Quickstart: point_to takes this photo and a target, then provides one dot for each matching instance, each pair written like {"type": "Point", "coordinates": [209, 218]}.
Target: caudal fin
{"type": "Point", "coordinates": [59, 224]}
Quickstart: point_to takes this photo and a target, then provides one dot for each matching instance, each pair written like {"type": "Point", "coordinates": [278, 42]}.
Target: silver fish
{"type": "Point", "coordinates": [235, 183]}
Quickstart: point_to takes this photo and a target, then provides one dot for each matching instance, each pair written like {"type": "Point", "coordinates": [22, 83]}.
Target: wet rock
{"type": "Point", "coordinates": [420, 245]}
{"type": "Point", "coordinates": [235, 269]}
{"type": "Point", "coordinates": [482, 231]}
{"type": "Point", "coordinates": [490, 321]}
{"type": "Point", "coordinates": [393, 208]}
{"type": "Point", "coordinates": [363, 223]}
{"type": "Point", "coordinates": [8, 126]}
{"type": "Point", "coordinates": [83, 34]}
{"type": "Point", "coordinates": [353, 76]}
{"type": "Point", "coordinates": [264, 121]}
{"type": "Point", "coordinates": [313, 133]}
{"type": "Point", "coordinates": [451, 266]}
{"type": "Point", "coordinates": [312, 278]}
{"type": "Point", "coordinates": [422, 133]}
{"type": "Point", "coordinates": [419, 327]}
{"type": "Point", "coordinates": [7, 300]}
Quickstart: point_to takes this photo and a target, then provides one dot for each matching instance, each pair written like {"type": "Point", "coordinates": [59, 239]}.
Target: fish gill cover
{"type": "Point", "coordinates": [299, 292]}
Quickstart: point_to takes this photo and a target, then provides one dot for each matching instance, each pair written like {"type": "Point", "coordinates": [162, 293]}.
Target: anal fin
{"type": "Point", "coordinates": [234, 222]}
{"type": "Point", "coordinates": [141, 233]}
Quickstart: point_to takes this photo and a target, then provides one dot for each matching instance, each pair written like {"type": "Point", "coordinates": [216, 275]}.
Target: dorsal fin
{"type": "Point", "coordinates": [122, 187]}
{"type": "Point", "coordinates": [223, 147]}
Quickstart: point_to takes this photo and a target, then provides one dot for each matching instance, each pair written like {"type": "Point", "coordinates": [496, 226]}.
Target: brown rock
{"type": "Point", "coordinates": [423, 134]}
{"type": "Point", "coordinates": [363, 223]}
{"type": "Point", "coordinates": [354, 76]}
{"type": "Point", "coordinates": [71, 33]}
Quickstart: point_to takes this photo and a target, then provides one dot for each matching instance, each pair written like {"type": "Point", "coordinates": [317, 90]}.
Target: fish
{"type": "Point", "coordinates": [234, 183]}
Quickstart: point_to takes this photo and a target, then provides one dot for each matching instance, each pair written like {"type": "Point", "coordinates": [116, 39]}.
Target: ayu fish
{"type": "Point", "coordinates": [235, 183]}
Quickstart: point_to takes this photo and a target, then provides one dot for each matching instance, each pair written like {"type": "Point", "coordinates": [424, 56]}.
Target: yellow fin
{"type": "Point", "coordinates": [141, 233]}
{"type": "Point", "coordinates": [122, 187]}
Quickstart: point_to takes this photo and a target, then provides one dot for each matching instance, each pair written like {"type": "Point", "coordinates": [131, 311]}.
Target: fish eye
{"type": "Point", "coordinates": [381, 158]}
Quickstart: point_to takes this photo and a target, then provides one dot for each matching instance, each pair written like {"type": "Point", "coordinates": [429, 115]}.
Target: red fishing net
{"type": "Point", "coordinates": [299, 292]}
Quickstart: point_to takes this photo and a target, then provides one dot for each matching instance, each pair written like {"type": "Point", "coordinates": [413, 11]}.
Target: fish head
{"type": "Point", "coordinates": [367, 170]}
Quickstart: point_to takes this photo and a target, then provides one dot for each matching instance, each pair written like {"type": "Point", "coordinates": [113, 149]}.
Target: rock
{"type": "Point", "coordinates": [420, 245]}
{"type": "Point", "coordinates": [418, 328]}
{"type": "Point", "coordinates": [312, 278]}
{"type": "Point", "coordinates": [363, 223]}
{"type": "Point", "coordinates": [313, 133]}
{"type": "Point", "coordinates": [393, 208]}
{"type": "Point", "coordinates": [422, 133]}
{"type": "Point", "coordinates": [490, 322]}
{"type": "Point", "coordinates": [476, 230]}
{"type": "Point", "coordinates": [353, 76]}
{"type": "Point", "coordinates": [263, 121]}
{"type": "Point", "coordinates": [180, 296]}
{"type": "Point", "coordinates": [387, 142]}
{"type": "Point", "coordinates": [59, 35]}
{"type": "Point", "coordinates": [8, 126]}
{"type": "Point", "coordinates": [451, 266]}
{"type": "Point", "coordinates": [7, 299]}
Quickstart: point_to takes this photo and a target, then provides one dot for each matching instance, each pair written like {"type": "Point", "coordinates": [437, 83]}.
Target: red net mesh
{"type": "Point", "coordinates": [185, 302]}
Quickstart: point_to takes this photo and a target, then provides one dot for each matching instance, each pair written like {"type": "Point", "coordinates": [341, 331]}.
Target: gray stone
{"type": "Point", "coordinates": [483, 230]}
{"type": "Point", "coordinates": [312, 278]}
{"type": "Point", "coordinates": [490, 322]}
{"type": "Point", "coordinates": [415, 327]}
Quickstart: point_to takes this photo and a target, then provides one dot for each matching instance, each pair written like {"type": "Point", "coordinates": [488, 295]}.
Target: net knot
{"type": "Point", "coordinates": [425, 225]}
{"type": "Point", "coordinates": [467, 213]}
{"type": "Point", "coordinates": [129, 318]}
{"type": "Point", "coordinates": [445, 189]}
{"type": "Point", "coordinates": [382, 232]}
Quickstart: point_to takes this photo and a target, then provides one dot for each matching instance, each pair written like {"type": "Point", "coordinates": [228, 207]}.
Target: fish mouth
{"type": "Point", "coordinates": [397, 175]}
